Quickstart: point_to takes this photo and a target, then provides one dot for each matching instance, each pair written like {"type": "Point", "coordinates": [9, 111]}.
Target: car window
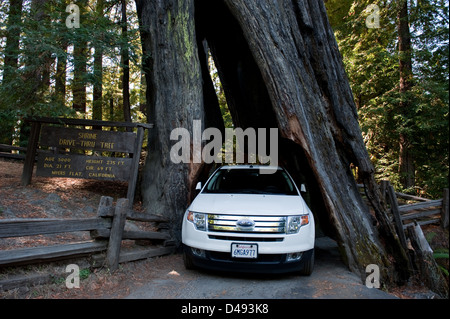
{"type": "Point", "coordinates": [250, 181]}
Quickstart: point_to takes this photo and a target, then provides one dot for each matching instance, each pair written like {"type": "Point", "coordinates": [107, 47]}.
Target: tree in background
{"type": "Point", "coordinates": [400, 86]}
{"type": "Point", "coordinates": [50, 69]}
{"type": "Point", "coordinates": [10, 66]}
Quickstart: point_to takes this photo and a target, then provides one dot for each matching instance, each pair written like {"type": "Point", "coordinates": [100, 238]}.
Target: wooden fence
{"type": "Point", "coordinates": [419, 210]}
{"type": "Point", "coordinates": [408, 210]}
{"type": "Point", "coordinates": [9, 151]}
{"type": "Point", "coordinates": [106, 231]}
{"type": "Point", "coordinates": [408, 219]}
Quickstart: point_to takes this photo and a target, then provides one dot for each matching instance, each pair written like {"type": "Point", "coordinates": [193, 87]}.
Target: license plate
{"type": "Point", "coordinates": [244, 250]}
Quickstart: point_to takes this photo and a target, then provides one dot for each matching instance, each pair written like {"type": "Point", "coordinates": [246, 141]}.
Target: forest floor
{"type": "Point", "coordinates": [76, 198]}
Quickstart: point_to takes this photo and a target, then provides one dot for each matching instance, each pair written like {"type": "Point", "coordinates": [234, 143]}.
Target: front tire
{"type": "Point", "coordinates": [187, 259]}
{"type": "Point", "coordinates": [308, 265]}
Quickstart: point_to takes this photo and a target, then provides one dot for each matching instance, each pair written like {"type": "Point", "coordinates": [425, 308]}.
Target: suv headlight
{"type": "Point", "coordinates": [198, 219]}
{"type": "Point", "coordinates": [295, 222]}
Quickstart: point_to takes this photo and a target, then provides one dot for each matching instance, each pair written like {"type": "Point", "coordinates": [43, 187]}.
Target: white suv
{"type": "Point", "coordinates": [251, 220]}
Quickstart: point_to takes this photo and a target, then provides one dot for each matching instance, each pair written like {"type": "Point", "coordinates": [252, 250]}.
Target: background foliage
{"type": "Point", "coordinates": [46, 43]}
{"type": "Point", "coordinates": [43, 62]}
{"type": "Point", "coordinates": [371, 60]}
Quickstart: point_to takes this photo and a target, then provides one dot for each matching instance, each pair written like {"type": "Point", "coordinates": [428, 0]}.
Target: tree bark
{"type": "Point", "coordinates": [125, 65]}
{"type": "Point", "coordinates": [10, 65]}
{"type": "Point", "coordinates": [80, 53]}
{"type": "Point", "coordinates": [174, 99]}
{"type": "Point", "coordinates": [12, 40]}
{"type": "Point", "coordinates": [60, 76]}
{"type": "Point", "coordinates": [280, 67]}
{"type": "Point", "coordinates": [97, 96]}
{"type": "Point", "coordinates": [295, 49]}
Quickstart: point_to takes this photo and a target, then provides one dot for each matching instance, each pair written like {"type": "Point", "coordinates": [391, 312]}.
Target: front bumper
{"type": "Point", "coordinates": [267, 263]}
{"type": "Point", "coordinates": [269, 244]}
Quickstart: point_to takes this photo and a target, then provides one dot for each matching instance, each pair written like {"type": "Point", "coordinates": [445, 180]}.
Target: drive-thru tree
{"type": "Point", "coordinates": [280, 67]}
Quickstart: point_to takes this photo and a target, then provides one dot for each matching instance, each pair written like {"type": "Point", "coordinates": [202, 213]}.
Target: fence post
{"type": "Point", "coordinates": [105, 206]}
{"type": "Point", "coordinates": [396, 213]}
{"type": "Point", "coordinates": [444, 212]}
{"type": "Point", "coordinates": [115, 238]}
{"type": "Point", "coordinates": [31, 153]}
{"type": "Point", "coordinates": [135, 165]}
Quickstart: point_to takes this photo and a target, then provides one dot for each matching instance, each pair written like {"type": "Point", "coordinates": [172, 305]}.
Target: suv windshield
{"type": "Point", "coordinates": [250, 181]}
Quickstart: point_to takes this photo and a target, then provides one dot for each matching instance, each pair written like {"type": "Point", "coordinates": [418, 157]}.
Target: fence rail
{"type": "Point", "coordinates": [418, 211]}
{"type": "Point", "coordinates": [106, 232]}
{"type": "Point", "coordinates": [6, 151]}
{"type": "Point", "coordinates": [423, 212]}
{"type": "Point", "coordinates": [408, 219]}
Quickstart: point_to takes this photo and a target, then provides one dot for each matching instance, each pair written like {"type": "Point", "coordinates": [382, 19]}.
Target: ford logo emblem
{"type": "Point", "coordinates": [246, 223]}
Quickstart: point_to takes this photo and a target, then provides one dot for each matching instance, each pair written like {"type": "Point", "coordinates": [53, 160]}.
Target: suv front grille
{"type": "Point", "coordinates": [258, 224]}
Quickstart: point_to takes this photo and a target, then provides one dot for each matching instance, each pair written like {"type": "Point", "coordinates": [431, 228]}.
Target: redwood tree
{"type": "Point", "coordinates": [406, 160]}
{"type": "Point", "coordinates": [280, 67]}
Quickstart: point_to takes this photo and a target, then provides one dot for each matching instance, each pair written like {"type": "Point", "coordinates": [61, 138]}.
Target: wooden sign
{"type": "Point", "coordinates": [63, 158]}
{"type": "Point", "coordinates": [73, 138]}
{"type": "Point", "coordinates": [80, 166]}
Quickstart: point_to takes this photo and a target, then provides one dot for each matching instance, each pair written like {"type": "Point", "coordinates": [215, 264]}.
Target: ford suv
{"type": "Point", "coordinates": [249, 220]}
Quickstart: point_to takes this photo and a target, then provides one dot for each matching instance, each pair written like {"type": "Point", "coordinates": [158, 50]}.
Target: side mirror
{"type": "Point", "coordinates": [303, 188]}
{"type": "Point", "coordinates": [198, 187]}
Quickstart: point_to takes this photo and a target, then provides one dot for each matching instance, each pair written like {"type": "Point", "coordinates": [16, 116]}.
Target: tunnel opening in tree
{"type": "Point", "coordinates": [246, 94]}
{"type": "Point", "coordinates": [280, 67]}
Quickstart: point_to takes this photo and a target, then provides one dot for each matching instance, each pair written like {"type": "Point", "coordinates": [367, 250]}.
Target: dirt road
{"type": "Point", "coordinates": [330, 280]}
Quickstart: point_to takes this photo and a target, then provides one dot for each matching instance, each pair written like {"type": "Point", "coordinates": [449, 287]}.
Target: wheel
{"type": "Point", "coordinates": [308, 266]}
{"type": "Point", "coordinates": [187, 259]}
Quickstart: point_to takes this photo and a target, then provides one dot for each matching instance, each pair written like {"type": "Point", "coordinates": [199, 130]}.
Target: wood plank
{"type": "Point", "coordinates": [133, 215]}
{"type": "Point", "coordinates": [445, 209]}
{"type": "Point", "coordinates": [135, 166]}
{"type": "Point", "coordinates": [145, 217]}
{"type": "Point", "coordinates": [421, 214]}
{"type": "Point", "coordinates": [411, 197]}
{"type": "Point", "coordinates": [31, 153]}
{"type": "Point", "coordinates": [25, 281]}
{"type": "Point", "coordinates": [105, 207]}
{"type": "Point", "coordinates": [134, 254]}
{"type": "Point", "coordinates": [422, 223]}
{"type": "Point", "coordinates": [132, 234]}
{"type": "Point", "coordinates": [8, 147]}
{"type": "Point", "coordinates": [395, 212]}
{"type": "Point", "coordinates": [144, 254]}
{"type": "Point", "coordinates": [40, 226]}
{"type": "Point", "coordinates": [115, 239]}
{"type": "Point", "coordinates": [111, 141]}
{"type": "Point", "coordinates": [47, 253]}
{"type": "Point", "coordinates": [418, 206]}
{"type": "Point", "coordinates": [12, 155]}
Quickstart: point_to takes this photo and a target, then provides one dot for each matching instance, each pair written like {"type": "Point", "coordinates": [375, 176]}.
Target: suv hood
{"type": "Point", "coordinates": [249, 204]}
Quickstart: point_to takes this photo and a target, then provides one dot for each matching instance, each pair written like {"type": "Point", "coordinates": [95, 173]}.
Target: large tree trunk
{"type": "Point", "coordinates": [97, 96]}
{"type": "Point", "coordinates": [80, 53]}
{"type": "Point", "coordinates": [174, 99]}
{"type": "Point", "coordinates": [11, 51]}
{"type": "Point", "coordinates": [125, 59]}
{"type": "Point", "coordinates": [10, 65]}
{"type": "Point", "coordinates": [280, 67]}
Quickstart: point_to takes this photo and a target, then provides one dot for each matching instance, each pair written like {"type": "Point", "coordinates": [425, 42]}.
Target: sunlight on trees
{"type": "Point", "coordinates": [371, 59]}
{"type": "Point", "coordinates": [49, 69]}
